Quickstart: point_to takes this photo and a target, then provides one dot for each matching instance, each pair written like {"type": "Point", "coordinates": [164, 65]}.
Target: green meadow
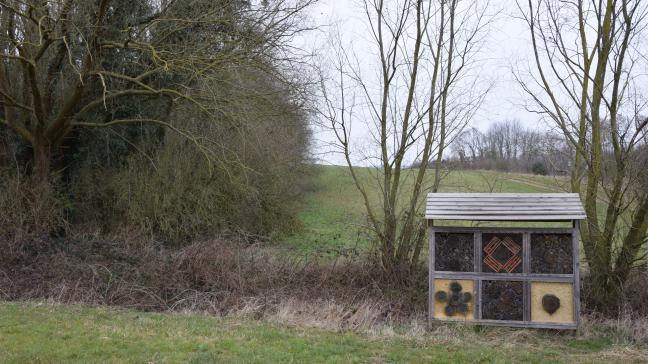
{"type": "Point", "coordinates": [333, 215]}
{"type": "Point", "coordinates": [45, 333]}
{"type": "Point", "coordinates": [331, 222]}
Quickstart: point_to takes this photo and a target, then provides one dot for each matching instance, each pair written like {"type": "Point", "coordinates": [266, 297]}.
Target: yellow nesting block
{"type": "Point", "coordinates": [564, 291]}
{"type": "Point", "coordinates": [439, 307]}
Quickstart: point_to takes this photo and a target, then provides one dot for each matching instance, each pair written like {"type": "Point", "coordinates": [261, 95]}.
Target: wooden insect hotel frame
{"type": "Point", "coordinates": [520, 277]}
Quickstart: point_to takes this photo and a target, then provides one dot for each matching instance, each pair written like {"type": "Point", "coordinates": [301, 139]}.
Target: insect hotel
{"type": "Point", "coordinates": [521, 277]}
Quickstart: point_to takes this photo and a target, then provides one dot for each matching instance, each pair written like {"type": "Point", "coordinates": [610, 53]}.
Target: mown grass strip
{"type": "Point", "coordinates": [45, 333]}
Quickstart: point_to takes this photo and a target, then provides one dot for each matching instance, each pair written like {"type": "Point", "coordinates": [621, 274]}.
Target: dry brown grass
{"type": "Point", "coordinates": [232, 279]}
{"type": "Point", "coordinates": [627, 326]}
{"type": "Point", "coordinates": [216, 276]}
{"type": "Point", "coordinates": [26, 218]}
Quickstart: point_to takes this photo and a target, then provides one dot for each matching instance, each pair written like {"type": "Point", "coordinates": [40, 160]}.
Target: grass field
{"type": "Point", "coordinates": [332, 221]}
{"type": "Point", "coordinates": [333, 213]}
{"type": "Point", "coordinates": [43, 333]}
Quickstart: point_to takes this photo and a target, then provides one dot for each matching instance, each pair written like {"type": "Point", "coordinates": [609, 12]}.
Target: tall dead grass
{"type": "Point", "coordinates": [235, 279]}
{"type": "Point", "coordinates": [218, 277]}
{"type": "Point", "coordinates": [27, 219]}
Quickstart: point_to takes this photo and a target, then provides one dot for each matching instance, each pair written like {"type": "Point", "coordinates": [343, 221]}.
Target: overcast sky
{"type": "Point", "coordinates": [508, 45]}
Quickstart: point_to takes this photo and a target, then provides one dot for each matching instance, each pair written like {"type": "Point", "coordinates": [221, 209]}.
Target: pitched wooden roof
{"type": "Point", "coordinates": [504, 206]}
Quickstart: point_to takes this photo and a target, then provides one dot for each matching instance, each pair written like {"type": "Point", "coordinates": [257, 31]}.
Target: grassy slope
{"type": "Point", "coordinates": [334, 212]}
{"type": "Point", "coordinates": [50, 333]}
{"type": "Point", "coordinates": [332, 218]}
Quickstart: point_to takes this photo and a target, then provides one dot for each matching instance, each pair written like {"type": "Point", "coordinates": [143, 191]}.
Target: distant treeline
{"type": "Point", "coordinates": [510, 146]}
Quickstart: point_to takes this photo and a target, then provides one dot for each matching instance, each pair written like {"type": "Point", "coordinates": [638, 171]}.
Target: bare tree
{"type": "Point", "coordinates": [423, 96]}
{"type": "Point", "coordinates": [585, 76]}
{"type": "Point", "coordinates": [65, 64]}
{"type": "Point", "coordinates": [505, 146]}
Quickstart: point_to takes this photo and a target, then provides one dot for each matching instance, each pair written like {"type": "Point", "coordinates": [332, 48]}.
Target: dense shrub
{"type": "Point", "coordinates": [199, 129]}
{"type": "Point", "coordinates": [27, 220]}
{"type": "Point", "coordinates": [241, 172]}
{"type": "Point", "coordinates": [539, 168]}
{"type": "Point", "coordinates": [214, 276]}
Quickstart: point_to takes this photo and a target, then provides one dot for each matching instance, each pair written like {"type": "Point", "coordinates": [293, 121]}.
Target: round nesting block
{"type": "Point", "coordinates": [551, 293]}
{"type": "Point", "coordinates": [464, 310]}
{"type": "Point", "coordinates": [550, 303]}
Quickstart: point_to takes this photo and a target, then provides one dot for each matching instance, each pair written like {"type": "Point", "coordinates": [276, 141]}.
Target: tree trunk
{"type": "Point", "coordinates": [40, 174]}
{"type": "Point", "coordinates": [602, 290]}
{"type": "Point", "coordinates": [39, 197]}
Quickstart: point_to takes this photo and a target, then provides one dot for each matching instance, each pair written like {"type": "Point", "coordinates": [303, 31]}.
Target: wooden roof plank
{"type": "Point", "coordinates": [506, 217]}
{"type": "Point", "coordinates": [503, 194]}
{"type": "Point", "coordinates": [504, 206]}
